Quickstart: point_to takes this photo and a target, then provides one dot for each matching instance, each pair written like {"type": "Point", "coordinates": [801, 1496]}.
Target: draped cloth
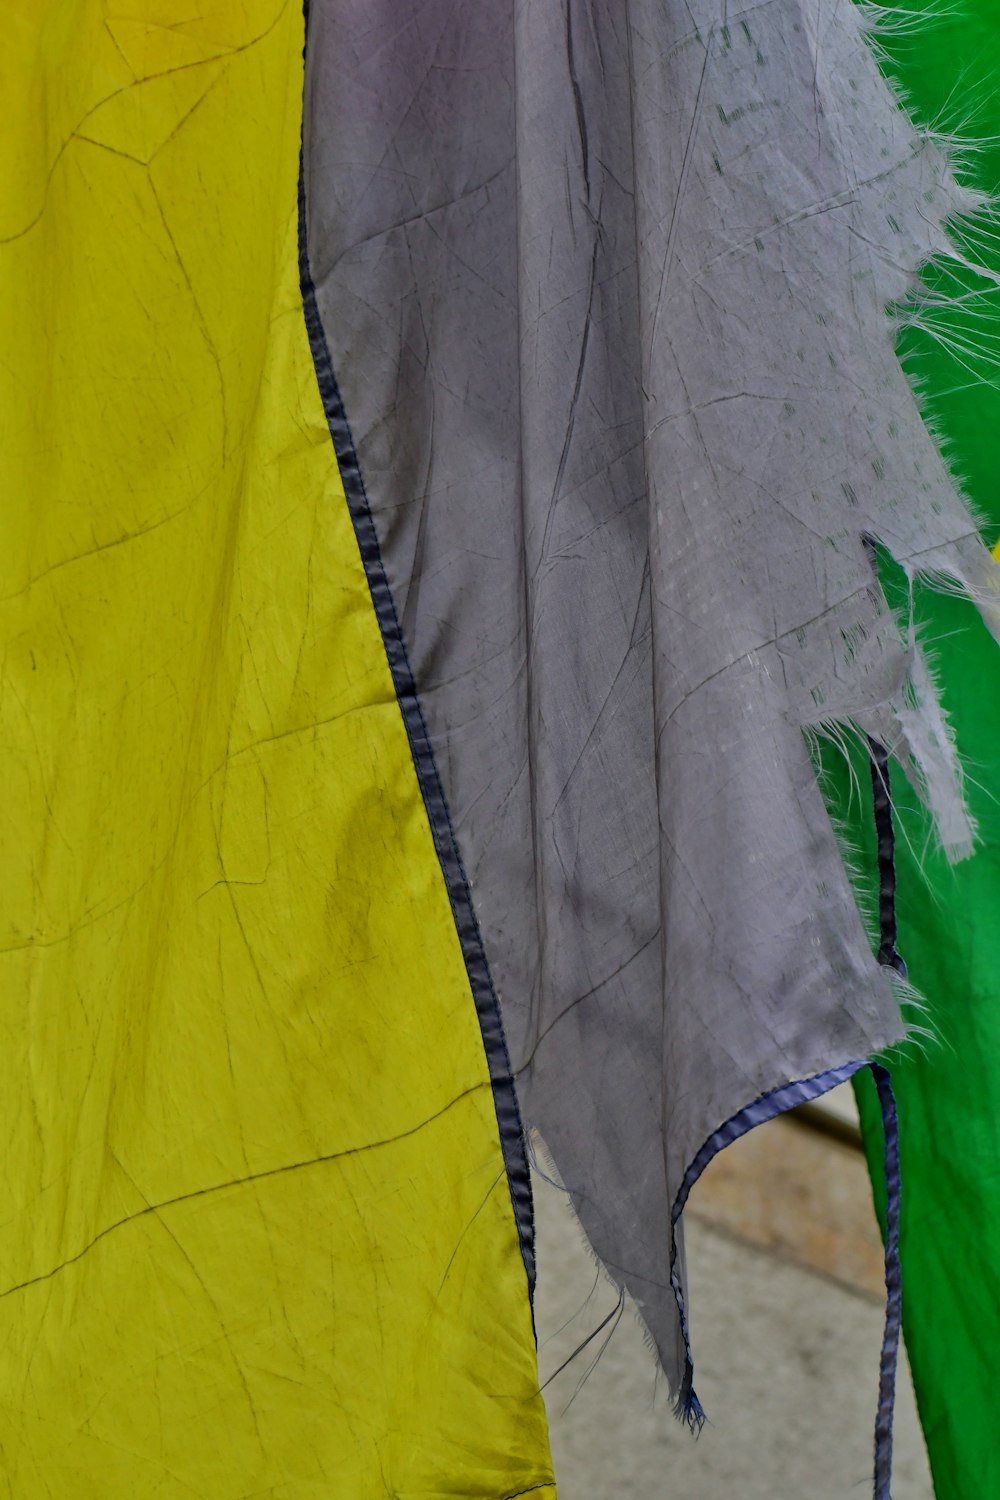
{"type": "Point", "coordinates": [444, 446]}
{"type": "Point", "coordinates": [604, 289]}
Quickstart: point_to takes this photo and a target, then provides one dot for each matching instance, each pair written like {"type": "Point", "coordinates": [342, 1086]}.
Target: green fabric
{"type": "Point", "coordinates": [948, 1089]}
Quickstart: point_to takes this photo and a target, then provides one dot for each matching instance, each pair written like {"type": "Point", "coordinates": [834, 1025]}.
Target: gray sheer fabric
{"type": "Point", "coordinates": [605, 286]}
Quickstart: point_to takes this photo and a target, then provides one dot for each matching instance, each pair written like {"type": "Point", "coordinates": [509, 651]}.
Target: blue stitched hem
{"type": "Point", "coordinates": [893, 1286]}
{"type": "Point", "coordinates": [767, 1107]}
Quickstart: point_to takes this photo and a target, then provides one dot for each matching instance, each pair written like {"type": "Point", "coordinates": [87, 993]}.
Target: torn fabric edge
{"type": "Point", "coordinates": [442, 831]}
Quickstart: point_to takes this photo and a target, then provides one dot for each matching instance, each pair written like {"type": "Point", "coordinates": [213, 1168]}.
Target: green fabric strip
{"type": "Point", "coordinates": [949, 916]}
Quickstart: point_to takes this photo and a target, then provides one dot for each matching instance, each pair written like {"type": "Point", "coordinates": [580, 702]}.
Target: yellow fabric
{"type": "Point", "coordinates": [255, 1232]}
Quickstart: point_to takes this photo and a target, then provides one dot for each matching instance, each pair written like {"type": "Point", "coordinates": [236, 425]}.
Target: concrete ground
{"type": "Point", "coordinates": [787, 1322]}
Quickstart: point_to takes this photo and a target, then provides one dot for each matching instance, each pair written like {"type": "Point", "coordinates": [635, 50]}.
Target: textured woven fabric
{"type": "Point", "coordinates": [605, 293]}
{"type": "Point", "coordinates": [444, 450]}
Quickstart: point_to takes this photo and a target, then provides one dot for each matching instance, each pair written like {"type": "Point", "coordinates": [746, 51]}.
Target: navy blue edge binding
{"type": "Point", "coordinates": [767, 1107]}
{"type": "Point", "coordinates": [508, 1112]}
{"type": "Point", "coordinates": [788, 1096]}
{"type": "Point", "coordinates": [893, 1287]}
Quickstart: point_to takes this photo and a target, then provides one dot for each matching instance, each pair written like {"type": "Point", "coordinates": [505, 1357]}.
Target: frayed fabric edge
{"type": "Point", "coordinates": [908, 716]}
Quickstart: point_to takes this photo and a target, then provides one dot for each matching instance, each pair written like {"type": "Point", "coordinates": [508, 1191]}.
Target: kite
{"type": "Point", "coordinates": [458, 477]}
